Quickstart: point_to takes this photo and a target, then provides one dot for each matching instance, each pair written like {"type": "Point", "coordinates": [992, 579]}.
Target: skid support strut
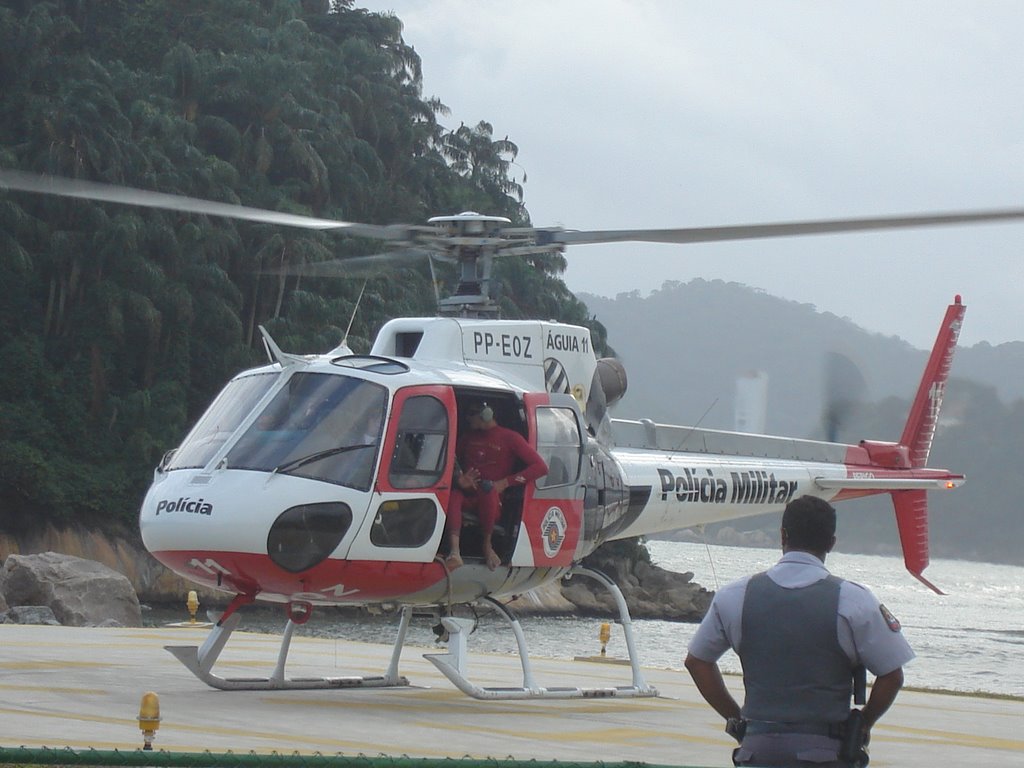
{"type": "Point", "coordinates": [454, 663]}
{"type": "Point", "coordinates": [200, 661]}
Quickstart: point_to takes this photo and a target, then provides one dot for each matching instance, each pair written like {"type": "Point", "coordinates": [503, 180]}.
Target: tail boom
{"type": "Point", "coordinates": [679, 476]}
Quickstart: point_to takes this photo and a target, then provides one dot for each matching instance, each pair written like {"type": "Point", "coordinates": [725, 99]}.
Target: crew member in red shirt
{"type": "Point", "coordinates": [488, 455]}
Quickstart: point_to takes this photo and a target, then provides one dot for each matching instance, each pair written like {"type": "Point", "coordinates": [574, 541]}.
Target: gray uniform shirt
{"type": "Point", "coordinates": [867, 632]}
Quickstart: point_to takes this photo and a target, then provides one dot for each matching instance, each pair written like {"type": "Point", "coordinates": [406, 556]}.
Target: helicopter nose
{"type": "Point", "coordinates": [304, 536]}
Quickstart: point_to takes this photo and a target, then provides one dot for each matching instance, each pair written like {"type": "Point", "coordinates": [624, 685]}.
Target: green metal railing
{"type": "Point", "coordinates": [161, 759]}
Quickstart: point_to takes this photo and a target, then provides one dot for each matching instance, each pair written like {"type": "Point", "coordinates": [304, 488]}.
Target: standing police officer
{"type": "Point", "coordinates": [800, 633]}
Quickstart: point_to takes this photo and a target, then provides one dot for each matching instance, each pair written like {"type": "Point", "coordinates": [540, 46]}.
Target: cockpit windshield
{"type": "Point", "coordinates": [322, 426]}
{"type": "Point", "coordinates": [221, 419]}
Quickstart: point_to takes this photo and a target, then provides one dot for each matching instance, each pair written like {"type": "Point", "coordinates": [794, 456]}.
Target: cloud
{"type": "Point", "coordinates": [663, 113]}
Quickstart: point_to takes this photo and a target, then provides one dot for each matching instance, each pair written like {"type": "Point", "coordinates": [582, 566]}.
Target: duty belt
{"type": "Point", "coordinates": [832, 730]}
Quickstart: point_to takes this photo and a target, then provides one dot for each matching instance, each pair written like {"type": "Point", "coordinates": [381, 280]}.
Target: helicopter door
{"type": "Point", "coordinates": [553, 506]}
{"type": "Point", "coordinates": [405, 520]}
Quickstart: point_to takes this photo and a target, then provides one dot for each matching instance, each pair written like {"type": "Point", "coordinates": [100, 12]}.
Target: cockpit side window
{"type": "Point", "coordinates": [560, 444]}
{"type": "Point", "coordinates": [421, 444]}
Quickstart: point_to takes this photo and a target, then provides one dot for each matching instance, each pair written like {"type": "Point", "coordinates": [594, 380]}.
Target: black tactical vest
{"type": "Point", "coordinates": [794, 669]}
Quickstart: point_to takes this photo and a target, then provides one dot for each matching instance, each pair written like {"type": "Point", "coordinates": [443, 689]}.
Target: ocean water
{"type": "Point", "coordinates": [970, 639]}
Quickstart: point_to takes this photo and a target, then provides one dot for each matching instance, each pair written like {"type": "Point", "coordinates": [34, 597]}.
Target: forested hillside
{"type": "Point", "coordinates": [118, 325]}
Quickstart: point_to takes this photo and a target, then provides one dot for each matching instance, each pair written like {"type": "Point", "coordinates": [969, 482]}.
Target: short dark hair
{"type": "Point", "coordinates": [810, 524]}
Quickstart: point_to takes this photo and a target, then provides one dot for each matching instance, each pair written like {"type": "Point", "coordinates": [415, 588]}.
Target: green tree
{"type": "Point", "coordinates": [119, 325]}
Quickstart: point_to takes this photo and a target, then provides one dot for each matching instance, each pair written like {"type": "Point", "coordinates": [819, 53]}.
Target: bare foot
{"type": "Point", "coordinates": [453, 561]}
{"type": "Point", "coordinates": [492, 559]}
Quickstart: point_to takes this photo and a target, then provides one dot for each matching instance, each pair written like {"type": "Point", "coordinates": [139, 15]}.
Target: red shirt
{"type": "Point", "coordinates": [494, 453]}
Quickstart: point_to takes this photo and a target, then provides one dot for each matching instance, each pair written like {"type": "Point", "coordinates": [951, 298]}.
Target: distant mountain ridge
{"type": "Point", "coordinates": [685, 345]}
{"type": "Point", "coordinates": [696, 338]}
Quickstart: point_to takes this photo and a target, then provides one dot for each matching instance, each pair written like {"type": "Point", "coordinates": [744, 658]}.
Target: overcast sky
{"type": "Point", "coordinates": [663, 113]}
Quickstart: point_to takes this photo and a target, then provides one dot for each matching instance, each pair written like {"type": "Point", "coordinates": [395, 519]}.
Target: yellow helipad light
{"type": "Point", "coordinates": [604, 636]}
{"type": "Point", "coordinates": [192, 603]}
{"type": "Point", "coordinates": [149, 718]}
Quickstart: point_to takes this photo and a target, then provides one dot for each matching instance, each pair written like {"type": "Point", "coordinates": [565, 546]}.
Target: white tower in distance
{"type": "Point", "coordinates": [751, 408]}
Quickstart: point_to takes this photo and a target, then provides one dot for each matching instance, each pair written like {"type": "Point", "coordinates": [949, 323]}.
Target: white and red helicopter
{"type": "Point", "coordinates": [323, 480]}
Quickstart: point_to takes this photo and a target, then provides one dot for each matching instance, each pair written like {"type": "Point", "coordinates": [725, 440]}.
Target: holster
{"type": "Point", "coordinates": [853, 749]}
{"type": "Point", "coordinates": [737, 728]}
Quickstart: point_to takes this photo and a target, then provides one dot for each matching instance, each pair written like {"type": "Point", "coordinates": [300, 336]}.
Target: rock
{"type": "Point", "coordinates": [79, 592]}
{"type": "Point", "coordinates": [31, 614]}
{"type": "Point", "coordinates": [584, 599]}
{"type": "Point", "coordinates": [544, 600]}
{"type": "Point", "coordinates": [650, 592]}
{"type": "Point", "coordinates": [151, 580]}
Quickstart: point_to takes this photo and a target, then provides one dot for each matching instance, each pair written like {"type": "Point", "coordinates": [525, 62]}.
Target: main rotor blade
{"type": "Point", "coordinates": [110, 193]}
{"type": "Point", "coordinates": [784, 229]}
{"type": "Point", "coordinates": [90, 190]}
{"type": "Point", "coordinates": [358, 266]}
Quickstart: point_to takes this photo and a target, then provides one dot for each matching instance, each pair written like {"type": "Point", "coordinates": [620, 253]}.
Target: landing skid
{"type": "Point", "coordinates": [200, 661]}
{"type": "Point", "coordinates": [453, 663]}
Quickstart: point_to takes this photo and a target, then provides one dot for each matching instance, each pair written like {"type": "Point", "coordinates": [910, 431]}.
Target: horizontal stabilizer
{"type": "Point", "coordinates": [889, 483]}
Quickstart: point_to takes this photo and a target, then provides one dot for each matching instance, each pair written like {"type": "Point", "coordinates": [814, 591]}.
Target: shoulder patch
{"type": "Point", "coordinates": [890, 620]}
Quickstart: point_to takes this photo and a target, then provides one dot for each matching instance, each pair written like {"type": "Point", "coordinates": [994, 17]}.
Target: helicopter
{"type": "Point", "coordinates": [324, 480]}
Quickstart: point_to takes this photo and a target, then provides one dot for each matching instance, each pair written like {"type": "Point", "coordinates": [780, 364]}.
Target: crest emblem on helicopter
{"type": "Point", "coordinates": [553, 530]}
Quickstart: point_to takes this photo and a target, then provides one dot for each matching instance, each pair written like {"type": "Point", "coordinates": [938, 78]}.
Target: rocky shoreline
{"type": "Point", "coordinates": [75, 574]}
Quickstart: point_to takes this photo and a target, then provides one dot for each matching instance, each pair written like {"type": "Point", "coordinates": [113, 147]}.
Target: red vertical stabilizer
{"type": "Point", "coordinates": [924, 413]}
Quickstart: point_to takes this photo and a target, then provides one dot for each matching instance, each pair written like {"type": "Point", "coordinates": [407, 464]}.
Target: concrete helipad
{"type": "Point", "coordinates": [63, 686]}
